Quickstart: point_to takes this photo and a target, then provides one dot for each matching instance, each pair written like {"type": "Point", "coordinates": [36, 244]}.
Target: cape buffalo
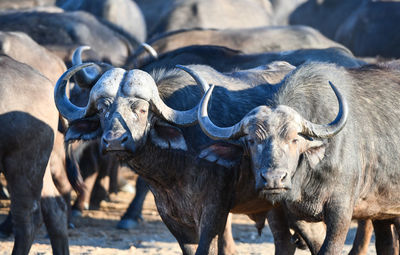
{"type": "Point", "coordinates": [224, 59]}
{"type": "Point", "coordinates": [61, 32]}
{"type": "Point", "coordinates": [124, 15]}
{"type": "Point", "coordinates": [247, 40]}
{"type": "Point", "coordinates": [332, 172]}
{"type": "Point", "coordinates": [28, 124]}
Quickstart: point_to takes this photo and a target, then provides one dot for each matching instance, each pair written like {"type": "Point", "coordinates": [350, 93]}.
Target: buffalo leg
{"type": "Point", "coordinates": [54, 212]}
{"type": "Point", "coordinates": [313, 234]}
{"type": "Point", "coordinates": [134, 212]}
{"type": "Point", "coordinates": [337, 219]}
{"type": "Point", "coordinates": [226, 245]}
{"type": "Point", "coordinates": [363, 237]}
{"type": "Point", "coordinates": [386, 240]}
{"type": "Point", "coordinates": [186, 236]}
{"type": "Point", "coordinates": [212, 227]}
{"type": "Point", "coordinates": [24, 182]}
{"type": "Point", "coordinates": [278, 224]}
{"type": "Point", "coordinates": [83, 199]}
{"type": "Point", "coordinates": [6, 227]}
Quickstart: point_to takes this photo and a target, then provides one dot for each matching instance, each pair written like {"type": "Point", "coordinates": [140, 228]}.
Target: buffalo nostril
{"type": "Point", "coordinates": [105, 141]}
{"type": "Point", "coordinates": [124, 139]}
{"type": "Point", "coordinates": [263, 176]}
{"type": "Point", "coordinates": [283, 176]}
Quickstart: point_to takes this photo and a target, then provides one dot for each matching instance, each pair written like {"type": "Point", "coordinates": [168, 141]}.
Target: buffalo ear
{"type": "Point", "coordinates": [223, 154]}
{"type": "Point", "coordinates": [315, 152]}
{"type": "Point", "coordinates": [167, 136]}
{"type": "Point", "coordinates": [83, 129]}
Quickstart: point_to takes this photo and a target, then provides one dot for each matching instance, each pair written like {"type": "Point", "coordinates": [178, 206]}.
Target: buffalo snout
{"type": "Point", "coordinates": [114, 141]}
{"type": "Point", "coordinates": [276, 180]}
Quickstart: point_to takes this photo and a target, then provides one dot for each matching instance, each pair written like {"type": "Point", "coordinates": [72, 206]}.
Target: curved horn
{"type": "Point", "coordinates": [184, 118]}
{"type": "Point", "coordinates": [150, 50]}
{"type": "Point", "coordinates": [210, 129]}
{"type": "Point", "coordinates": [331, 129]}
{"type": "Point", "coordinates": [87, 77]}
{"type": "Point", "coordinates": [65, 107]}
{"type": "Point", "coordinates": [199, 80]}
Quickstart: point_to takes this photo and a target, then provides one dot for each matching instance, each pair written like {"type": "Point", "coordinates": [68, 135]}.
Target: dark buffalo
{"type": "Point", "coordinates": [333, 172]}
{"type": "Point", "coordinates": [225, 60]}
{"type": "Point", "coordinates": [62, 32]}
{"type": "Point", "coordinates": [369, 31]}
{"type": "Point", "coordinates": [247, 40]}
{"type": "Point", "coordinates": [124, 15]}
{"type": "Point", "coordinates": [324, 15]}
{"type": "Point", "coordinates": [29, 122]}
{"type": "Point", "coordinates": [193, 196]}
{"type": "Point", "coordinates": [364, 26]}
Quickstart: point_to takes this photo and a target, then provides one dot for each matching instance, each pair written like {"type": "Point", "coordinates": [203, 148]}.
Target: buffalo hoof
{"type": "Point", "coordinates": [76, 213]}
{"type": "Point", "coordinates": [127, 224]}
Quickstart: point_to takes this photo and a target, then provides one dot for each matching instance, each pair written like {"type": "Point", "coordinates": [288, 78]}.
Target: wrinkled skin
{"type": "Point", "coordinates": [333, 179]}
{"type": "Point", "coordinates": [28, 129]}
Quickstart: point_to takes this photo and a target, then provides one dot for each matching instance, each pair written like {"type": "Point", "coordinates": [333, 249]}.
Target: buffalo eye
{"type": "Point", "coordinates": [250, 141]}
{"type": "Point", "coordinates": [295, 141]}
{"type": "Point", "coordinates": [142, 111]}
{"type": "Point", "coordinates": [103, 106]}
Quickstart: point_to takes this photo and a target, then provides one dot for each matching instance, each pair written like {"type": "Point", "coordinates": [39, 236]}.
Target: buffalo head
{"type": "Point", "coordinates": [275, 138]}
{"type": "Point", "coordinates": [122, 110]}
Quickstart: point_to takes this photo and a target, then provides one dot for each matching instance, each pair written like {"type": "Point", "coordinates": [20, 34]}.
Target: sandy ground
{"type": "Point", "coordinates": [95, 233]}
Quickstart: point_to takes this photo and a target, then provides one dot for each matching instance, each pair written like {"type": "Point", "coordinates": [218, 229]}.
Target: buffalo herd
{"type": "Point", "coordinates": [287, 111]}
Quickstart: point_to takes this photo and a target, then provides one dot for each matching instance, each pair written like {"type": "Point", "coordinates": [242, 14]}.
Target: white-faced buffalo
{"type": "Point", "coordinates": [62, 32]}
{"type": "Point", "coordinates": [126, 110]}
{"type": "Point", "coordinates": [28, 125]}
{"type": "Point", "coordinates": [326, 172]}
{"type": "Point", "coordinates": [247, 40]}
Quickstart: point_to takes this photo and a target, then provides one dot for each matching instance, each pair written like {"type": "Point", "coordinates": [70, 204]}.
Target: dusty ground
{"type": "Point", "coordinates": [95, 233]}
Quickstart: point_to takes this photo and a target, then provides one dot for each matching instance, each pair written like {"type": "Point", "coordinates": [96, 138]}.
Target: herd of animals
{"type": "Point", "coordinates": [255, 107]}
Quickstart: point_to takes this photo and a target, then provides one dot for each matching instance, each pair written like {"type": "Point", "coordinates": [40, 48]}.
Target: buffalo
{"type": "Point", "coordinates": [29, 125]}
{"type": "Point", "coordinates": [326, 172]}
{"type": "Point", "coordinates": [246, 40]}
{"type": "Point", "coordinates": [61, 32]}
